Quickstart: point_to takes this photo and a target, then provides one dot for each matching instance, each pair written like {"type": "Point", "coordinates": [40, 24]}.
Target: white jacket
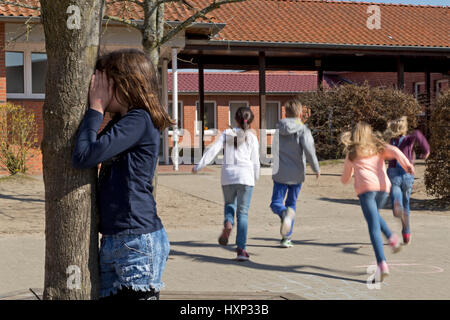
{"type": "Point", "coordinates": [240, 164]}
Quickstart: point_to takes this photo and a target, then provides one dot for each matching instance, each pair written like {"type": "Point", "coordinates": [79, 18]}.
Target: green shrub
{"type": "Point", "coordinates": [437, 172]}
{"type": "Point", "coordinates": [339, 109]}
{"type": "Point", "coordinates": [18, 133]}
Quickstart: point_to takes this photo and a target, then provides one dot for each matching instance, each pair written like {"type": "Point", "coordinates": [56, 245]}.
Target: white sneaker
{"type": "Point", "coordinates": [286, 223]}
{"type": "Point", "coordinates": [286, 243]}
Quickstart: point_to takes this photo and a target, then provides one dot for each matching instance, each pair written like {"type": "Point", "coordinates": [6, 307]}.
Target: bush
{"type": "Point", "coordinates": [437, 172]}
{"type": "Point", "coordinates": [339, 109]}
{"type": "Point", "coordinates": [18, 133]}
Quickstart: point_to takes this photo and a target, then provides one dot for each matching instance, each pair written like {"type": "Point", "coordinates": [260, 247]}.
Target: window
{"type": "Point", "coordinates": [38, 72]}
{"type": "Point", "coordinates": [272, 114]}
{"type": "Point", "coordinates": [209, 121]}
{"type": "Point", "coordinates": [234, 106]}
{"type": "Point", "coordinates": [441, 85]}
{"type": "Point", "coordinates": [25, 72]}
{"type": "Point", "coordinates": [180, 113]}
{"type": "Point", "coordinates": [14, 72]}
{"type": "Point", "coordinates": [419, 89]}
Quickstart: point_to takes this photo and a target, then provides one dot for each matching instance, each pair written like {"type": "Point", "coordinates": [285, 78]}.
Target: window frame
{"type": "Point", "coordinates": [272, 131]}
{"type": "Point", "coordinates": [209, 132]}
{"type": "Point", "coordinates": [437, 92]}
{"type": "Point", "coordinates": [27, 50]}
{"type": "Point", "coordinates": [416, 88]}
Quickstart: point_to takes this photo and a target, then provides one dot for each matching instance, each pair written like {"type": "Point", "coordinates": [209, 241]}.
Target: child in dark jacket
{"type": "Point", "coordinates": [134, 245]}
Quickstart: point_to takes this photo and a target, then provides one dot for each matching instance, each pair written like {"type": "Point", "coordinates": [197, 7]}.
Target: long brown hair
{"type": "Point", "coordinates": [244, 118]}
{"type": "Point", "coordinates": [135, 83]}
{"type": "Point", "coordinates": [362, 142]}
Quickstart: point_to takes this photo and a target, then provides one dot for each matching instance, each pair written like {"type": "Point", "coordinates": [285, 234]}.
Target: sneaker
{"type": "Point", "coordinates": [242, 255]}
{"type": "Point", "coordinates": [406, 238]}
{"type": "Point", "coordinates": [286, 243]}
{"type": "Point", "coordinates": [382, 272]}
{"type": "Point", "coordinates": [394, 242]}
{"type": "Point", "coordinates": [286, 222]}
{"type": "Point", "coordinates": [223, 239]}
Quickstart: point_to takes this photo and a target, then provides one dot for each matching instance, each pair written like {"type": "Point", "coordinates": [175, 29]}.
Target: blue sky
{"type": "Point", "coordinates": [415, 2]}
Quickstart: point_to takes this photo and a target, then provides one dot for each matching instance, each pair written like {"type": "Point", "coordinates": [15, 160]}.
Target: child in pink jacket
{"type": "Point", "coordinates": [366, 154]}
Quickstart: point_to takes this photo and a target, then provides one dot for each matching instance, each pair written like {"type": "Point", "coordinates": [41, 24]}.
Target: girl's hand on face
{"type": "Point", "coordinates": [100, 91]}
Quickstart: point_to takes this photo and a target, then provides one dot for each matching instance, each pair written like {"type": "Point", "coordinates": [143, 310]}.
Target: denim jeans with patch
{"type": "Point", "coordinates": [401, 189]}
{"type": "Point", "coordinates": [133, 261]}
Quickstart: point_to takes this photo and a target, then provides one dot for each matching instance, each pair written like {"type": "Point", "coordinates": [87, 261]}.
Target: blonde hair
{"type": "Point", "coordinates": [396, 128]}
{"type": "Point", "coordinates": [293, 108]}
{"type": "Point", "coordinates": [362, 142]}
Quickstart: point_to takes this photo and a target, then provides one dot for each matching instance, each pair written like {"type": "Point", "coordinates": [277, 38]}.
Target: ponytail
{"type": "Point", "coordinates": [244, 117]}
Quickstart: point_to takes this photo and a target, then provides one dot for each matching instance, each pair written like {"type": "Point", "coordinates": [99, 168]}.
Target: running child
{"type": "Point", "coordinates": [365, 158]}
{"type": "Point", "coordinates": [134, 245]}
{"type": "Point", "coordinates": [293, 145]}
{"type": "Point", "coordinates": [402, 182]}
{"type": "Point", "coordinates": [240, 171]}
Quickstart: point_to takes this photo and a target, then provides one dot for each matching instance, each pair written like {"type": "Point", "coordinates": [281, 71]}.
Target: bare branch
{"type": "Point", "coordinates": [192, 18]}
{"type": "Point", "coordinates": [28, 26]}
{"type": "Point", "coordinates": [139, 3]}
{"type": "Point", "coordinates": [127, 22]}
{"type": "Point", "coordinates": [19, 4]}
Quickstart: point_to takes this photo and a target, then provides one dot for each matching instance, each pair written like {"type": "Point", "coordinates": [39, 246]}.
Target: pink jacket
{"type": "Point", "coordinates": [370, 172]}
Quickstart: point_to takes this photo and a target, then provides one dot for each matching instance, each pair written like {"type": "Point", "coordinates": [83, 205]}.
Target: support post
{"type": "Point", "coordinates": [201, 91]}
{"type": "Point", "coordinates": [400, 74]}
{"type": "Point", "coordinates": [262, 108]}
{"type": "Point", "coordinates": [175, 108]}
{"type": "Point", "coordinates": [428, 100]}
{"type": "Point", "coordinates": [165, 97]}
{"type": "Point", "coordinates": [320, 80]}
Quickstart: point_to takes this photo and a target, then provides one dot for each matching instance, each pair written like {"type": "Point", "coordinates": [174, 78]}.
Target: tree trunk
{"type": "Point", "coordinates": [152, 32]}
{"type": "Point", "coordinates": [71, 232]}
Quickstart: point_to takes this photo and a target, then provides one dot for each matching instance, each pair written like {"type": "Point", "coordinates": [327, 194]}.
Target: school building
{"type": "Point", "coordinates": [276, 50]}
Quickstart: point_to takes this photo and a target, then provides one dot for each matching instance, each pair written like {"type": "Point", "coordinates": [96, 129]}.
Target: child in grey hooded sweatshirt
{"type": "Point", "coordinates": [292, 147]}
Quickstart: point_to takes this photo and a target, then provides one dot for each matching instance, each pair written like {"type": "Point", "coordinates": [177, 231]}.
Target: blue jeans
{"type": "Point", "coordinates": [401, 189]}
{"type": "Point", "coordinates": [278, 195]}
{"type": "Point", "coordinates": [371, 202]}
{"type": "Point", "coordinates": [133, 261]}
{"type": "Point", "coordinates": [237, 200]}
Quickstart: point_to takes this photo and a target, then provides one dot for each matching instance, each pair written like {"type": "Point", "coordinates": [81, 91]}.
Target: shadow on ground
{"type": "Point", "coordinates": [297, 269]}
{"type": "Point", "coordinates": [347, 247]}
{"type": "Point", "coordinates": [415, 204]}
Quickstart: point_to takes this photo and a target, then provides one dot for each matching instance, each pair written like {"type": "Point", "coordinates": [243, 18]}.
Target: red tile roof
{"type": "Point", "coordinates": [306, 21]}
{"type": "Point", "coordinates": [241, 82]}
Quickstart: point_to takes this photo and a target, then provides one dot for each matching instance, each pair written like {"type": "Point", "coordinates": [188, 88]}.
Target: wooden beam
{"type": "Point", "coordinates": [262, 90]}
{"type": "Point", "coordinates": [201, 91]}
{"type": "Point", "coordinates": [428, 99]}
{"type": "Point", "coordinates": [320, 80]}
{"type": "Point", "coordinates": [400, 74]}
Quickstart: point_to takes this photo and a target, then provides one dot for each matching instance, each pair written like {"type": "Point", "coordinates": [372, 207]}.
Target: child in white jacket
{"type": "Point", "coordinates": [240, 171]}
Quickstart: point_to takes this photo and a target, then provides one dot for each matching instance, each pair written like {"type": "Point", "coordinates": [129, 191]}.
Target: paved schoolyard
{"type": "Point", "coordinates": [330, 259]}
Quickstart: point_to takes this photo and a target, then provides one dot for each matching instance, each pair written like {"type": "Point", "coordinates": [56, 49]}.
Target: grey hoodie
{"type": "Point", "coordinates": [293, 144]}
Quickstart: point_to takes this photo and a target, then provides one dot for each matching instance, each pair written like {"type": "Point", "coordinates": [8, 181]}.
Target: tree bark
{"type": "Point", "coordinates": [71, 231]}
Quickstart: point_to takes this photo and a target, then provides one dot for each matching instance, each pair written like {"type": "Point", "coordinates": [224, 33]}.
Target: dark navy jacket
{"type": "Point", "coordinates": [128, 149]}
